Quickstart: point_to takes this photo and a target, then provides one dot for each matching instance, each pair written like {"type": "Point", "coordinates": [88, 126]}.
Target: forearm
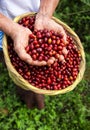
{"type": "Point", "coordinates": [47, 7]}
{"type": "Point", "coordinates": [7, 25]}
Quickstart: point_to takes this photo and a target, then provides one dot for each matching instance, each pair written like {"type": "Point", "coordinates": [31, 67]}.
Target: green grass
{"type": "Point", "coordinates": [70, 111]}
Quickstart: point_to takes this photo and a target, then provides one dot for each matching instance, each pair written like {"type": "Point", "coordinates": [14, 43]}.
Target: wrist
{"type": "Point", "coordinates": [6, 25]}
{"type": "Point", "coordinates": [47, 7]}
{"type": "Point", "coordinates": [14, 29]}
{"type": "Point", "coordinates": [42, 16]}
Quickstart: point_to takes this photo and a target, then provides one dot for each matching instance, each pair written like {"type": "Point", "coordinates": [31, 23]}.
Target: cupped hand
{"type": "Point", "coordinates": [21, 38]}
{"type": "Point", "coordinates": [44, 22]}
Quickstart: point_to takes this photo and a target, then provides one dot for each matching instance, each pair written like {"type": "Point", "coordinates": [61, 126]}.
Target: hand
{"type": "Point", "coordinates": [21, 37]}
{"type": "Point", "coordinates": [44, 22]}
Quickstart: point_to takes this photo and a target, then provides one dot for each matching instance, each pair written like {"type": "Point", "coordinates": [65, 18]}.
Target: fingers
{"type": "Point", "coordinates": [22, 54]}
{"type": "Point", "coordinates": [27, 58]}
{"type": "Point", "coordinates": [51, 61]}
{"type": "Point", "coordinates": [61, 30]}
{"type": "Point", "coordinates": [65, 51]}
{"type": "Point", "coordinates": [39, 63]}
{"type": "Point", "coordinates": [52, 25]}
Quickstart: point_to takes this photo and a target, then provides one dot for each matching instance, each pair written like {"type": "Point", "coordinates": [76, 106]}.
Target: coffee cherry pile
{"type": "Point", "coordinates": [28, 22]}
{"type": "Point", "coordinates": [43, 44]}
{"type": "Point", "coordinates": [46, 45]}
{"type": "Point", "coordinates": [55, 77]}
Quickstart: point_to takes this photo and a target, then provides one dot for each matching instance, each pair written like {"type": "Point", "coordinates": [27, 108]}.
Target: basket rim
{"type": "Point", "coordinates": [13, 73]}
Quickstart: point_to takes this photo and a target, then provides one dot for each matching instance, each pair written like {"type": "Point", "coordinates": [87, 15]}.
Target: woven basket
{"type": "Point", "coordinates": [20, 81]}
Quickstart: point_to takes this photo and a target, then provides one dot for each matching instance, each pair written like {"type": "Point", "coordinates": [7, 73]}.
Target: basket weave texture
{"type": "Point", "coordinates": [21, 82]}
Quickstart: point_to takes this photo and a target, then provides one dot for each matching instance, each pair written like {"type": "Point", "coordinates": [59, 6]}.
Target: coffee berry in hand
{"type": "Point", "coordinates": [45, 45]}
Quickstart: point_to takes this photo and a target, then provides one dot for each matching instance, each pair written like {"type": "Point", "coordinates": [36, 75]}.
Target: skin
{"type": "Point", "coordinates": [21, 34]}
{"type": "Point", "coordinates": [44, 17]}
